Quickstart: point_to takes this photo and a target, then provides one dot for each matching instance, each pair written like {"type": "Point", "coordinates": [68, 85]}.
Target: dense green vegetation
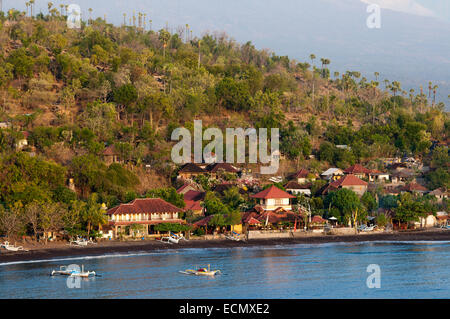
{"type": "Point", "coordinates": [77, 91]}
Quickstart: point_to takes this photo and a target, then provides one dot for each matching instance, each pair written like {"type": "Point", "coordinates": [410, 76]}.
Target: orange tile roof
{"type": "Point", "coordinates": [357, 169]}
{"type": "Point", "coordinates": [145, 205]}
{"type": "Point", "coordinates": [303, 173]}
{"type": "Point", "coordinates": [272, 192]}
{"type": "Point", "coordinates": [348, 180]}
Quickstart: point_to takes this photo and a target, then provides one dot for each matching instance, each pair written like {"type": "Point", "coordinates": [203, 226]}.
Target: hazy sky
{"type": "Point", "coordinates": [412, 45]}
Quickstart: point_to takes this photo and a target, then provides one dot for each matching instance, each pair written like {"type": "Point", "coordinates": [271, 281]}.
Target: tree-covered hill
{"type": "Point", "coordinates": [74, 92]}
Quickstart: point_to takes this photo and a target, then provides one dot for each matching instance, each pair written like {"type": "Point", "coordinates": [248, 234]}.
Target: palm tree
{"type": "Point", "coordinates": [434, 94]}
{"type": "Point", "coordinates": [124, 19]}
{"type": "Point", "coordinates": [199, 54]}
{"type": "Point", "coordinates": [90, 15]}
{"type": "Point", "coordinates": [376, 76]}
{"type": "Point", "coordinates": [31, 7]}
{"type": "Point", "coordinates": [187, 33]}
{"type": "Point", "coordinates": [27, 4]}
{"type": "Point", "coordinates": [312, 57]}
{"type": "Point", "coordinates": [49, 5]}
{"type": "Point", "coordinates": [411, 95]}
{"type": "Point", "coordinates": [386, 84]}
{"type": "Point", "coordinates": [395, 87]}
{"type": "Point", "coordinates": [62, 7]}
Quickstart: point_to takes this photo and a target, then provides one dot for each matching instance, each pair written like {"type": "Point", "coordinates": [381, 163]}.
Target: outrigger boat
{"type": "Point", "coordinates": [172, 239]}
{"type": "Point", "coordinates": [9, 247]}
{"type": "Point", "coordinates": [72, 272]}
{"type": "Point", "coordinates": [201, 272]}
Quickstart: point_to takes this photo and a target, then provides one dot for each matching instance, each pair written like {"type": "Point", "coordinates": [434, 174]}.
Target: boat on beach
{"type": "Point", "coordinates": [10, 247]}
{"type": "Point", "coordinates": [201, 272]}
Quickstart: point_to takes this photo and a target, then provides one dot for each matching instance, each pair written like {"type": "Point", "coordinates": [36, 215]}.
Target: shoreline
{"type": "Point", "coordinates": [63, 250]}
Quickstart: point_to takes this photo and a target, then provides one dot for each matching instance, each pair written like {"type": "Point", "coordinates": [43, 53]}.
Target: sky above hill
{"type": "Point", "coordinates": [412, 45]}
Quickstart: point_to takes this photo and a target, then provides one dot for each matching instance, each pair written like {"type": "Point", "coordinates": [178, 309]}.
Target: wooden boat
{"type": "Point", "coordinates": [62, 271]}
{"type": "Point", "coordinates": [201, 272]}
{"type": "Point", "coordinates": [9, 247]}
{"type": "Point", "coordinates": [73, 273]}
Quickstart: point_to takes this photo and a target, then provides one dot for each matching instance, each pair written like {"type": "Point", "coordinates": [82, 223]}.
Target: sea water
{"type": "Point", "coordinates": [334, 270]}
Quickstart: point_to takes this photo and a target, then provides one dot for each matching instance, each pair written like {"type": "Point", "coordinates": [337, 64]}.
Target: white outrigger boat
{"type": "Point", "coordinates": [201, 272]}
{"type": "Point", "coordinates": [9, 247]}
{"type": "Point", "coordinates": [172, 239]}
{"type": "Point", "coordinates": [73, 273]}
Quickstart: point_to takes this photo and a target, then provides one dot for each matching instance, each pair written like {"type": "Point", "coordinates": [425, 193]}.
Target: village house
{"type": "Point", "coordinates": [428, 222]}
{"type": "Point", "coordinates": [295, 188]}
{"type": "Point", "coordinates": [348, 181]}
{"type": "Point", "coordinates": [414, 188]}
{"type": "Point", "coordinates": [440, 194]}
{"type": "Point", "coordinates": [146, 212]}
{"type": "Point", "coordinates": [303, 176]}
{"type": "Point", "coordinates": [186, 188]}
{"type": "Point", "coordinates": [217, 169]}
{"type": "Point", "coordinates": [190, 170]}
{"type": "Point", "coordinates": [194, 200]}
{"type": "Point", "coordinates": [111, 155]}
{"type": "Point", "coordinates": [332, 174]}
{"type": "Point", "coordinates": [358, 170]}
{"type": "Point", "coordinates": [378, 176]}
{"type": "Point", "coordinates": [402, 176]}
{"type": "Point", "coordinates": [442, 219]}
{"type": "Point", "coordinates": [273, 198]}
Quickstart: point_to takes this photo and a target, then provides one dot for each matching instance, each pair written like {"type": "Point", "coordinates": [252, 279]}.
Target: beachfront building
{"type": "Point", "coordinates": [273, 198]}
{"type": "Point", "coordinates": [145, 212]}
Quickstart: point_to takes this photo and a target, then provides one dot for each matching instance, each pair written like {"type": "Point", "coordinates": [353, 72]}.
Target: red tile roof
{"type": "Point", "coordinates": [110, 151]}
{"type": "Point", "coordinates": [204, 221]}
{"type": "Point", "coordinates": [295, 185]}
{"type": "Point", "coordinates": [348, 180]}
{"type": "Point", "coordinates": [193, 205]}
{"type": "Point", "coordinates": [227, 167]}
{"type": "Point", "coordinates": [194, 196]}
{"type": "Point", "coordinates": [272, 192]}
{"type": "Point", "coordinates": [357, 169]}
{"type": "Point", "coordinates": [191, 168]}
{"type": "Point", "coordinates": [414, 187]}
{"type": "Point", "coordinates": [145, 205]}
{"type": "Point", "coordinates": [277, 217]}
{"type": "Point", "coordinates": [318, 220]}
{"type": "Point", "coordinates": [303, 173]}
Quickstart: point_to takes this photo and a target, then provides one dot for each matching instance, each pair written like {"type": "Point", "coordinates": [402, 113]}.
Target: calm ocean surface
{"type": "Point", "coordinates": [337, 270]}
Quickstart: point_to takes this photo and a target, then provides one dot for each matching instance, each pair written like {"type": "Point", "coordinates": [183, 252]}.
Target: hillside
{"type": "Point", "coordinates": [73, 93]}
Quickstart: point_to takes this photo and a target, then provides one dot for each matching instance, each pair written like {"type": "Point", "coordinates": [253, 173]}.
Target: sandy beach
{"type": "Point", "coordinates": [63, 250]}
